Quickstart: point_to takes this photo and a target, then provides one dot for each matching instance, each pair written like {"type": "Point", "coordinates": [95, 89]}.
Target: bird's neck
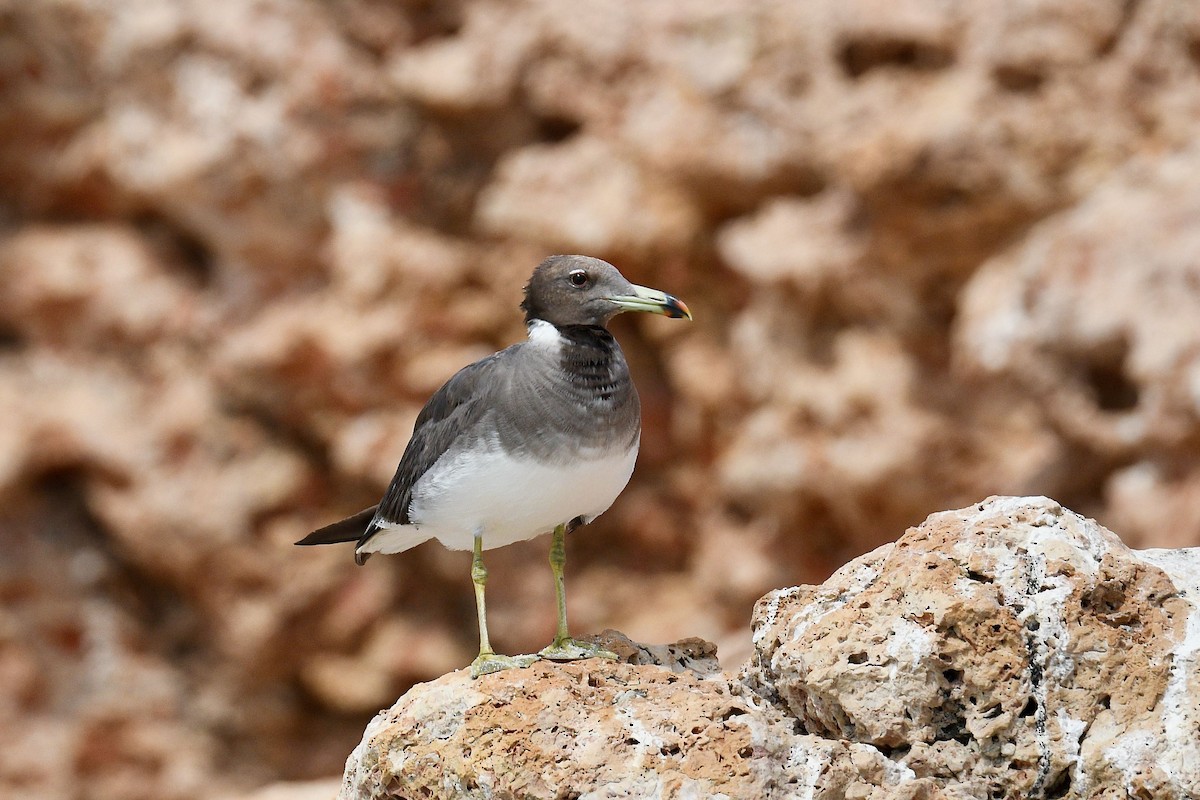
{"type": "Point", "coordinates": [593, 337]}
{"type": "Point", "coordinates": [581, 374]}
{"type": "Point", "coordinates": [587, 346]}
{"type": "Point", "coordinates": [572, 339]}
{"type": "Point", "coordinates": [592, 362]}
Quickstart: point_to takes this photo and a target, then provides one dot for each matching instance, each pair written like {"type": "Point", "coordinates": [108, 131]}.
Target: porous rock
{"type": "Point", "coordinates": [241, 243]}
{"type": "Point", "coordinates": [661, 721]}
{"type": "Point", "coordinates": [1010, 649]}
{"type": "Point", "coordinates": [1061, 322]}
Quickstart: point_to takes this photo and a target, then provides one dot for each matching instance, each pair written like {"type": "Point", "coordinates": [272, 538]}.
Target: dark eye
{"type": "Point", "coordinates": [578, 278]}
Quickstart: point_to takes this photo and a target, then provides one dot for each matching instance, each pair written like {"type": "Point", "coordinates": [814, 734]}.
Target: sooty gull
{"type": "Point", "coordinates": [539, 437]}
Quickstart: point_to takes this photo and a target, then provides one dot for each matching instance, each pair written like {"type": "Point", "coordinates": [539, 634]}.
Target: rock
{"type": "Point", "coordinates": [456, 74]}
{"type": "Point", "coordinates": [814, 423]}
{"type": "Point", "coordinates": [936, 252]}
{"type": "Point", "coordinates": [809, 242]}
{"type": "Point", "coordinates": [577, 196]}
{"type": "Point", "coordinates": [1072, 293]}
{"type": "Point", "coordinates": [662, 721]}
{"type": "Point", "coordinates": [289, 790]}
{"type": "Point", "coordinates": [91, 287]}
{"type": "Point", "coordinates": [1061, 322]}
{"type": "Point", "coordinates": [589, 726]}
{"type": "Point", "coordinates": [1010, 649]}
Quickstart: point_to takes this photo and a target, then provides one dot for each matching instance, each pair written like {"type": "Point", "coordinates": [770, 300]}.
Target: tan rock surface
{"type": "Point", "coordinates": [241, 243]}
{"type": "Point", "coordinates": [661, 722]}
{"type": "Point", "coordinates": [1062, 318]}
{"type": "Point", "coordinates": [1010, 649]}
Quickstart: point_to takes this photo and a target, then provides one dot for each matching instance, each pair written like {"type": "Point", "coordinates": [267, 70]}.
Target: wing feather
{"type": "Point", "coordinates": [449, 414]}
{"type": "Point", "coordinates": [344, 530]}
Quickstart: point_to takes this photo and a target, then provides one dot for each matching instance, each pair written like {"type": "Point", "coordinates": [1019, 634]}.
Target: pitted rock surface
{"type": "Point", "coordinates": [1011, 649]}
{"type": "Point", "coordinates": [936, 251]}
{"type": "Point", "coordinates": [661, 722]}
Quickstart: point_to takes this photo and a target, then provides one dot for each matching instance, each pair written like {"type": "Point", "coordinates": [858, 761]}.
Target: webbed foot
{"type": "Point", "coordinates": [569, 649]}
{"type": "Point", "coordinates": [487, 663]}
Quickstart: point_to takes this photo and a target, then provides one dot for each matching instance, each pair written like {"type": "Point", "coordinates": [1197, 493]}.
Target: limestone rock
{"type": "Point", "coordinates": [455, 74]}
{"type": "Point", "coordinates": [590, 189]}
{"type": "Point", "coordinates": [1061, 322]}
{"type": "Point", "coordinates": [935, 251]}
{"type": "Point", "coordinates": [102, 279]}
{"type": "Point", "coordinates": [290, 790]}
{"type": "Point", "coordinates": [1073, 292]}
{"type": "Point", "coordinates": [1010, 649]}
{"type": "Point", "coordinates": [661, 722]}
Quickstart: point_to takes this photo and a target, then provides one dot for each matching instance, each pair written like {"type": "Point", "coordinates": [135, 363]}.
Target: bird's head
{"type": "Point", "coordinates": [580, 290]}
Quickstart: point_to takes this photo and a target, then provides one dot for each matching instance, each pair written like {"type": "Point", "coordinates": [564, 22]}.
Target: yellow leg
{"type": "Point", "coordinates": [479, 576]}
{"type": "Point", "coordinates": [487, 661]}
{"type": "Point", "coordinates": [558, 560]}
{"type": "Point", "coordinates": [564, 648]}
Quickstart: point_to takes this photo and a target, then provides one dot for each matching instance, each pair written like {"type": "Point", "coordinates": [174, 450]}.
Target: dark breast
{"type": "Point", "coordinates": [585, 401]}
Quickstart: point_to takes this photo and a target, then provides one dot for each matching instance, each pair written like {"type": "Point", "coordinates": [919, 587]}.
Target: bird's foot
{"type": "Point", "coordinates": [568, 649]}
{"type": "Point", "coordinates": [487, 663]}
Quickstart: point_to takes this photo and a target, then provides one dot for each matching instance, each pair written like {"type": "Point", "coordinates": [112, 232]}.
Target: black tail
{"type": "Point", "coordinates": [349, 529]}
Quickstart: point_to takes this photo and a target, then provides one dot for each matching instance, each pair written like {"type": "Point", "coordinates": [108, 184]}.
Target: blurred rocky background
{"type": "Point", "coordinates": [935, 251]}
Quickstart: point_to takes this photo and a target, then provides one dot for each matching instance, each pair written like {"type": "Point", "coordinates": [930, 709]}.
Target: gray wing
{"type": "Point", "coordinates": [448, 415]}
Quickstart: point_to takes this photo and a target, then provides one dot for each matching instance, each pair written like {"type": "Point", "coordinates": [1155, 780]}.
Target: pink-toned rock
{"type": "Point", "coordinates": [1010, 649]}
{"type": "Point", "coordinates": [242, 241]}
{"type": "Point", "coordinates": [1091, 320]}
{"type": "Point", "coordinates": [583, 195]}
{"type": "Point", "coordinates": [809, 242]}
{"type": "Point", "coordinates": [661, 722]}
{"type": "Point", "coordinates": [457, 74]}
{"type": "Point", "coordinates": [91, 287]}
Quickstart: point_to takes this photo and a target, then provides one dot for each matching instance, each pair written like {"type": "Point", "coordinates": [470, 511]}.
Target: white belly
{"type": "Point", "coordinates": [513, 499]}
